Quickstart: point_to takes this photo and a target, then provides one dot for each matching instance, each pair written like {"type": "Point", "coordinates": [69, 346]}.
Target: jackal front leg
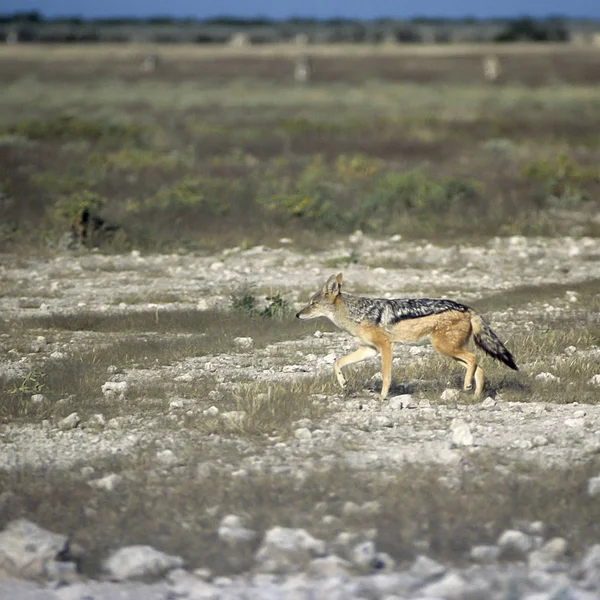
{"type": "Point", "coordinates": [361, 353]}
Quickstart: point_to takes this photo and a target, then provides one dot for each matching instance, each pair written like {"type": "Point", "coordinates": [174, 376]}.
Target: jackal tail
{"type": "Point", "coordinates": [489, 342]}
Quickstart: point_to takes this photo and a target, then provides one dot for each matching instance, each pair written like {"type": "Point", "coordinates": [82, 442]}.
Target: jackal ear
{"type": "Point", "coordinates": [333, 284]}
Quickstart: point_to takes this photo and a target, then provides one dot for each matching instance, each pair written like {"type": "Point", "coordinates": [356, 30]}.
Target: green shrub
{"type": "Point", "coordinates": [244, 300]}
{"type": "Point", "coordinates": [211, 194]}
{"type": "Point", "coordinates": [311, 197]}
{"type": "Point", "coordinates": [412, 193]}
{"type": "Point", "coordinates": [72, 128]}
{"type": "Point", "coordinates": [278, 307]}
{"type": "Point", "coordinates": [562, 179]}
{"type": "Point", "coordinates": [68, 207]}
{"type": "Point", "coordinates": [134, 159]}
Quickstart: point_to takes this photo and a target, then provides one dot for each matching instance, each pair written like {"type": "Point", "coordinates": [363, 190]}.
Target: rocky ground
{"type": "Point", "coordinates": [527, 284]}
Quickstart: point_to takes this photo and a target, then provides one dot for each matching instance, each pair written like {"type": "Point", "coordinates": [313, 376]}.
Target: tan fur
{"type": "Point", "coordinates": [449, 332]}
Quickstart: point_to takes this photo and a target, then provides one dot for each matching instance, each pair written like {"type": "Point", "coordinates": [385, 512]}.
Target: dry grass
{"type": "Point", "coordinates": [151, 340]}
{"type": "Point", "coordinates": [197, 51]}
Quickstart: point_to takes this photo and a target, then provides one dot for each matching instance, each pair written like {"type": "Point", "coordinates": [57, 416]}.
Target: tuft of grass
{"type": "Point", "coordinates": [244, 301]}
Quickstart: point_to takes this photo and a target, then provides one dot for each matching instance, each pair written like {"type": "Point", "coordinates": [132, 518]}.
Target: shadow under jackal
{"type": "Point", "coordinates": [377, 323]}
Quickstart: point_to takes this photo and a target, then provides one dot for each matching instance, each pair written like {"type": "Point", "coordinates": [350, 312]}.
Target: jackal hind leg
{"type": "Point", "coordinates": [358, 355]}
{"type": "Point", "coordinates": [467, 359]}
{"type": "Point", "coordinates": [386, 369]}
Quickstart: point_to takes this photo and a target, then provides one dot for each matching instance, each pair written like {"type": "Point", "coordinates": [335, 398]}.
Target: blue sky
{"type": "Point", "coordinates": [281, 9]}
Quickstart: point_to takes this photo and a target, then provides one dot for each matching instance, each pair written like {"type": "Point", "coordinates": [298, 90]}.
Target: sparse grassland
{"type": "Point", "coordinates": [219, 150]}
{"type": "Point", "coordinates": [227, 148]}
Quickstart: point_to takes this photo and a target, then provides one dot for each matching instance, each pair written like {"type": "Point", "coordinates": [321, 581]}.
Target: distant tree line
{"type": "Point", "coordinates": [32, 26]}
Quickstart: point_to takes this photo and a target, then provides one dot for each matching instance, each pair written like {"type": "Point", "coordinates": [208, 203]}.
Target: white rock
{"type": "Point", "coordinates": [450, 395]}
{"type": "Point", "coordinates": [213, 411]}
{"type": "Point", "coordinates": [232, 531]}
{"type": "Point", "coordinates": [112, 389]}
{"type": "Point", "coordinates": [489, 402]}
{"type": "Point", "coordinates": [108, 482]}
{"type": "Point", "coordinates": [37, 398]}
{"type": "Point", "coordinates": [245, 343]}
{"type": "Point", "coordinates": [96, 420]}
{"type": "Point", "coordinates": [548, 555]}
{"type": "Point", "coordinates": [69, 422]}
{"type": "Point", "coordinates": [514, 544]}
{"type": "Point", "coordinates": [461, 433]}
{"type": "Point", "coordinates": [588, 568]}
{"type": "Point", "coordinates": [485, 555]}
{"type": "Point", "coordinates": [235, 418]}
{"type": "Point", "coordinates": [285, 550]}
{"type": "Point", "coordinates": [329, 358]}
{"type": "Point", "coordinates": [303, 434]}
{"type": "Point", "coordinates": [364, 555]}
{"type": "Point", "coordinates": [546, 377]}
{"type": "Point", "coordinates": [426, 569]}
{"type": "Point", "coordinates": [397, 402]}
{"type": "Point", "coordinates": [451, 587]}
{"type": "Point", "coordinates": [166, 457]}
{"type": "Point", "coordinates": [595, 380]}
{"type": "Point", "coordinates": [593, 486]}
{"type": "Point", "coordinates": [329, 566]}
{"type": "Point", "coordinates": [176, 404]}
{"type": "Point", "coordinates": [27, 550]}
{"type": "Point", "coordinates": [133, 562]}
{"type": "Point", "coordinates": [575, 423]}
{"type": "Point", "coordinates": [540, 440]}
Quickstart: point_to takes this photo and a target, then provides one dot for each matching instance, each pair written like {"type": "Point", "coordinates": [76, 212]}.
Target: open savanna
{"type": "Point", "coordinates": [220, 145]}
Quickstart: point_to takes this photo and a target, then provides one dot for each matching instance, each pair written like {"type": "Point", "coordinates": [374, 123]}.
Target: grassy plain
{"type": "Point", "coordinates": [221, 147]}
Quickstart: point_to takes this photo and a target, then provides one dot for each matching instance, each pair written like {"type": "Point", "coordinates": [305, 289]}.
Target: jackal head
{"type": "Point", "coordinates": [322, 304]}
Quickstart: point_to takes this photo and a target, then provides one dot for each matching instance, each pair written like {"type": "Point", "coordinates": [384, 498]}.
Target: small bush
{"type": "Point", "coordinates": [412, 193]}
{"type": "Point", "coordinates": [134, 159]}
{"type": "Point", "coordinates": [278, 307]}
{"type": "Point", "coordinates": [210, 194]}
{"type": "Point", "coordinates": [72, 128]}
{"type": "Point", "coordinates": [562, 179]}
{"type": "Point", "coordinates": [311, 197]}
{"type": "Point", "coordinates": [245, 301]}
{"type": "Point", "coordinates": [357, 167]}
{"type": "Point", "coordinates": [68, 207]}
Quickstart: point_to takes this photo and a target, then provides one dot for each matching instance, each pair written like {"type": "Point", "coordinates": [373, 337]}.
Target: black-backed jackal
{"type": "Point", "coordinates": [377, 323]}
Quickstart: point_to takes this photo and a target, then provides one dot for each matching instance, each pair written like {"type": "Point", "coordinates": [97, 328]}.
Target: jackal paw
{"type": "Point", "coordinates": [341, 380]}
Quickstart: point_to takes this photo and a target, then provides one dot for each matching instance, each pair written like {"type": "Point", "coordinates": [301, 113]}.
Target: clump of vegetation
{"type": "Point", "coordinates": [277, 307]}
{"type": "Point", "coordinates": [413, 193]}
{"type": "Point", "coordinates": [66, 127]}
{"type": "Point", "coordinates": [245, 301]}
{"type": "Point", "coordinates": [68, 207]}
{"type": "Point", "coordinates": [209, 194]}
{"type": "Point", "coordinates": [135, 159]}
{"type": "Point", "coordinates": [563, 180]}
{"type": "Point", "coordinates": [310, 197]}
{"type": "Point", "coordinates": [32, 383]}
